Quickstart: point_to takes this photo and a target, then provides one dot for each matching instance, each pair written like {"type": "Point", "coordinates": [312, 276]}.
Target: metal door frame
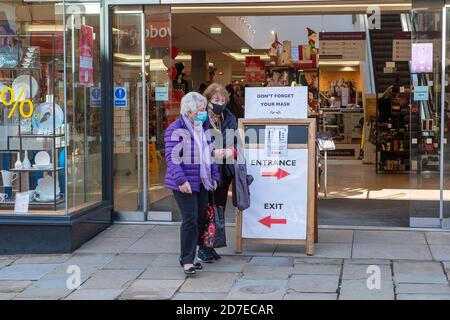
{"type": "Point", "coordinates": [107, 95]}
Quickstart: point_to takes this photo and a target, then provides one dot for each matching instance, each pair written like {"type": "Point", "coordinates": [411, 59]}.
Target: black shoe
{"type": "Point", "coordinates": [204, 255]}
{"type": "Point", "coordinates": [215, 255]}
{"type": "Point", "coordinates": [189, 272]}
{"type": "Point", "coordinates": [198, 266]}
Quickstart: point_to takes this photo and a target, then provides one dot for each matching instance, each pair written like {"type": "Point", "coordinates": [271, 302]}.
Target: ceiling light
{"type": "Point", "coordinates": [183, 57]}
{"type": "Point", "coordinates": [360, 7]}
{"type": "Point", "coordinates": [43, 28]}
{"type": "Point", "coordinates": [215, 30]}
{"type": "Point", "coordinates": [245, 50]}
{"type": "Point", "coordinates": [241, 57]}
{"type": "Point", "coordinates": [343, 63]}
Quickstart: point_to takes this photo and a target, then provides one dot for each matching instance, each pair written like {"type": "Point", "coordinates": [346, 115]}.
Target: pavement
{"type": "Point", "coordinates": [141, 262]}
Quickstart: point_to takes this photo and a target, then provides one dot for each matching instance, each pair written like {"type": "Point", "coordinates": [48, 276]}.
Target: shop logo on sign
{"type": "Point", "coordinates": [158, 33]}
{"type": "Point", "coordinates": [374, 17]}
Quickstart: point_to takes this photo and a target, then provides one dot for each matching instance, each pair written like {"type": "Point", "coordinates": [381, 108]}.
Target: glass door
{"type": "Point", "coordinates": [446, 121]}
{"type": "Point", "coordinates": [130, 119]}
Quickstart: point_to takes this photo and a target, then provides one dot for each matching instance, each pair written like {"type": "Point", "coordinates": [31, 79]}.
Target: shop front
{"type": "Point", "coordinates": [52, 140]}
{"type": "Point", "coordinates": [88, 88]}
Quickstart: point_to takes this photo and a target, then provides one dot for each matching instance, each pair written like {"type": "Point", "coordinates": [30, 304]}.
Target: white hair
{"type": "Point", "coordinates": [191, 101]}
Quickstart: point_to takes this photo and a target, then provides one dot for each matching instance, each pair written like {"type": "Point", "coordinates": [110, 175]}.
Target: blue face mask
{"type": "Point", "coordinates": [201, 117]}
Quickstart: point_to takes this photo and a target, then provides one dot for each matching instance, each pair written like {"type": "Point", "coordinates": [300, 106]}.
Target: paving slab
{"type": "Point", "coordinates": [369, 261]}
{"type": "Point", "coordinates": [43, 259]}
{"type": "Point", "coordinates": [255, 272]}
{"type": "Point", "coordinates": [131, 261]}
{"type": "Point", "coordinates": [258, 290]}
{"type": "Point", "coordinates": [167, 260]}
{"type": "Point", "coordinates": [150, 245]}
{"type": "Point", "coordinates": [335, 236]}
{"type": "Point", "coordinates": [163, 233]}
{"type": "Point", "coordinates": [391, 251]}
{"type": "Point", "coordinates": [419, 272]}
{"type": "Point", "coordinates": [95, 294]}
{"type": "Point", "coordinates": [209, 282]}
{"type": "Point", "coordinates": [107, 245]}
{"type": "Point", "coordinates": [440, 253]}
{"type": "Point", "coordinates": [44, 290]}
{"type": "Point", "coordinates": [126, 231]}
{"type": "Point", "coordinates": [5, 262]}
{"type": "Point", "coordinates": [111, 279]}
{"type": "Point", "coordinates": [358, 290]}
{"type": "Point", "coordinates": [199, 296]}
{"type": "Point", "coordinates": [7, 295]}
{"type": "Point", "coordinates": [326, 250]}
{"type": "Point", "coordinates": [390, 237]}
{"type": "Point", "coordinates": [314, 283]}
{"type": "Point", "coordinates": [163, 273]}
{"type": "Point", "coordinates": [227, 264]}
{"type": "Point", "coordinates": [361, 271]}
{"type": "Point", "coordinates": [313, 260]}
{"type": "Point", "coordinates": [26, 271]}
{"type": "Point", "coordinates": [446, 265]}
{"type": "Point", "coordinates": [14, 286]}
{"type": "Point", "coordinates": [144, 289]}
{"type": "Point", "coordinates": [438, 238]}
{"type": "Point", "coordinates": [272, 261]}
{"type": "Point", "coordinates": [249, 249]}
{"type": "Point", "coordinates": [86, 261]}
{"type": "Point", "coordinates": [418, 288]}
{"type": "Point", "coordinates": [422, 297]}
{"type": "Point", "coordinates": [310, 296]}
{"type": "Point", "coordinates": [316, 269]}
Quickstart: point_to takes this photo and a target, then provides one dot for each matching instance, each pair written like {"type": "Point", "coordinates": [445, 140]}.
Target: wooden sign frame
{"type": "Point", "coordinates": [311, 215]}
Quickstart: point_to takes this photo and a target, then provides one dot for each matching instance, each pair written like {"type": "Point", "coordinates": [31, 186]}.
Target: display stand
{"type": "Point", "coordinates": [20, 136]}
{"type": "Point", "coordinates": [297, 212]}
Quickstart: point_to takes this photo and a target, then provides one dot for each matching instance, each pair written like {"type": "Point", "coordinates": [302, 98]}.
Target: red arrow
{"type": "Point", "coordinates": [280, 174]}
{"type": "Point", "coordinates": [268, 221]}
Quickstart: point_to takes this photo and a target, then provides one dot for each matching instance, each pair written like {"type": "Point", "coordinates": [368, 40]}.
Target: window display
{"type": "Point", "coordinates": [42, 154]}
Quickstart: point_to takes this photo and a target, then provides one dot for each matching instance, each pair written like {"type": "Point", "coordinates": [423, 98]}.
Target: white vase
{"type": "Point", "coordinates": [18, 164]}
{"type": "Point", "coordinates": [26, 164]}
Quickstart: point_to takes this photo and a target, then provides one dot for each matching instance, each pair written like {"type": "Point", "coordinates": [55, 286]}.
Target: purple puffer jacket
{"type": "Point", "coordinates": [178, 173]}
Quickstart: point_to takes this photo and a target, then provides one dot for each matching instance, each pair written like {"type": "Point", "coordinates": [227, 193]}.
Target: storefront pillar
{"type": "Point", "coordinates": [199, 68]}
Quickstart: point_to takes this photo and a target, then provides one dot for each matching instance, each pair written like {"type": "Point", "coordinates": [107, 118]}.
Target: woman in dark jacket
{"type": "Point", "coordinates": [223, 127]}
{"type": "Point", "coordinates": [191, 173]}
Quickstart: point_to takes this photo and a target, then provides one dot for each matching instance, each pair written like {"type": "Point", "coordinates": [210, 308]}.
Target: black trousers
{"type": "Point", "coordinates": [193, 211]}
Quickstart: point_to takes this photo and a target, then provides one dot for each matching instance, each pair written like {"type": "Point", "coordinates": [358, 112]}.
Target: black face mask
{"type": "Point", "coordinates": [217, 108]}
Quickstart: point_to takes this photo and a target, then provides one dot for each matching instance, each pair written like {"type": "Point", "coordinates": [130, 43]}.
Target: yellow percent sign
{"type": "Point", "coordinates": [19, 102]}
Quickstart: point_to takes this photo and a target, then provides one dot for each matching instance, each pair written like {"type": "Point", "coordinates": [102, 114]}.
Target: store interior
{"type": "Point", "coordinates": [374, 176]}
{"type": "Point", "coordinates": [383, 141]}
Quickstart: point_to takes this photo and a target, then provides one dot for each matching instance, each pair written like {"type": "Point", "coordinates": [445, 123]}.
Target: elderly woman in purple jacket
{"type": "Point", "coordinates": [191, 173]}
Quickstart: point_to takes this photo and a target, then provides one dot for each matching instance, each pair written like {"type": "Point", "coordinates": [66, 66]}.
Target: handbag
{"type": "Point", "coordinates": [214, 235]}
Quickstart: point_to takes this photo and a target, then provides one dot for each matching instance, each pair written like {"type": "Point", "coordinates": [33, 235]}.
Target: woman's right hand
{"type": "Point", "coordinates": [186, 188]}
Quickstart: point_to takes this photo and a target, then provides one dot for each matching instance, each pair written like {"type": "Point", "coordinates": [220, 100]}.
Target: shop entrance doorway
{"type": "Point", "coordinates": [386, 170]}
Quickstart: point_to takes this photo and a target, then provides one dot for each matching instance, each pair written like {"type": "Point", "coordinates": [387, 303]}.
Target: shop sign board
{"type": "Point", "coordinates": [421, 93]}
{"type": "Point", "coordinates": [279, 195]}
{"type": "Point", "coordinates": [421, 57]}
{"type": "Point", "coordinates": [96, 97]}
{"type": "Point", "coordinates": [86, 50]}
{"type": "Point", "coordinates": [162, 93]}
{"type": "Point", "coordinates": [401, 46]}
{"type": "Point", "coordinates": [120, 97]}
{"type": "Point", "coordinates": [276, 102]}
{"type": "Point", "coordinates": [282, 163]}
{"type": "Point", "coordinates": [349, 46]}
